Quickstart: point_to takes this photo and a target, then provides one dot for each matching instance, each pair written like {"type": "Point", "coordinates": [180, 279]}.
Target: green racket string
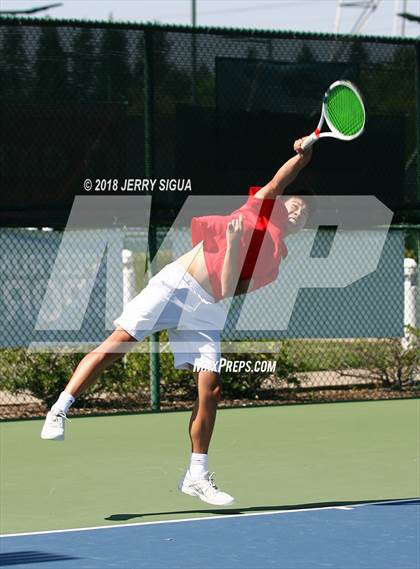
{"type": "Point", "coordinates": [345, 111]}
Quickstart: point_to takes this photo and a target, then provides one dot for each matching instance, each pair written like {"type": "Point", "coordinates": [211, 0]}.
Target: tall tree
{"type": "Point", "coordinates": [113, 71]}
{"type": "Point", "coordinates": [405, 57]}
{"type": "Point", "coordinates": [83, 73]}
{"type": "Point", "coordinates": [139, 62]}
{"type": "Point", "coordinates": [15, 72]}
{"type": "Point", "coordinates": [358, 53]}
{"type": "Point", "coordinates": [51, 82]}
{"type": "Point", "coordinates": [205, 85]}
{"type": "Point", "coordinates": [251, 52]}
{"type": "Point", "coordinates": [136, 92]}
{"type": "Point", "coordinates": [305, 55]}
{"type": "Point", "coordinates": [172, 84]}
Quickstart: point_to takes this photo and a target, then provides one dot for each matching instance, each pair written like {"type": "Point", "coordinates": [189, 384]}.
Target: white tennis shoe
{"type": "Point", "coordinates": [53, 429]}
{"type": "Point", "coordinates": [205, 489]}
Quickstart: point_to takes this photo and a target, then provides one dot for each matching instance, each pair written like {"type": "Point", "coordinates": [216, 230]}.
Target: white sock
{"type": "Point", "coordinates": [199, 464]}
{"type": "Point", "coordinates": [64, 402]}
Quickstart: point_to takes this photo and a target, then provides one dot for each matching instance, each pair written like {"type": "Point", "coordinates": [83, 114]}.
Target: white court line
{"type": "Point", "coordinates": [221, 517]}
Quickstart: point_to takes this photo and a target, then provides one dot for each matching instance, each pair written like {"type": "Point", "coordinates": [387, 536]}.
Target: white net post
{"type": "Point", "coordinates": [410, 300]}
{"type": "Point", "coordinates": [129, 276]}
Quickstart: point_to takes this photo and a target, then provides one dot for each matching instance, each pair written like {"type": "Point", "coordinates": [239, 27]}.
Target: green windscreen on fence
{"type": "Point", "coordinates": [99, 101]}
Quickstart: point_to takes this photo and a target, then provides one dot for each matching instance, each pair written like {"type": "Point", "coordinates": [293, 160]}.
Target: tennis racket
{"type": "Point", "coordinates": [344, 112]}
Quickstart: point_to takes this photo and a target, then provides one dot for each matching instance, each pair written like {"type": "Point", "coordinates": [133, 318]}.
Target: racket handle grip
{"type": "Point", "coordinates": [310, 140]}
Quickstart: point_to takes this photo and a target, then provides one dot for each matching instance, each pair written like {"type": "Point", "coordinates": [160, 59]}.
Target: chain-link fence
{"type": "Point", "coordinates": [87, 107]}
{"type": "Point", "coordinates": [358, 341]}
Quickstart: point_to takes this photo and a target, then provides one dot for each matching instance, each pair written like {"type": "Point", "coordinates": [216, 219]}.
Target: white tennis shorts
{"type": "Point", "coordinates": [173, 300]}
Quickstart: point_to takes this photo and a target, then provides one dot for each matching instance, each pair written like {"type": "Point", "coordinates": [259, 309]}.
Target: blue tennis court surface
{"type": "Point", "coordinates": [378, 535]}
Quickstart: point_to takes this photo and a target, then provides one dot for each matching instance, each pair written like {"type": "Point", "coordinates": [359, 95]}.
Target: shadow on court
{"type": "Point", "coordinates": [29, 557]}
{"type": "Point", "coordinates": [236, 511]}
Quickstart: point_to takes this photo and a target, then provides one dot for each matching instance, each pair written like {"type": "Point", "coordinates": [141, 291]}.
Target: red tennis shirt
{"type": "Point", "coordinates": [261, 246]}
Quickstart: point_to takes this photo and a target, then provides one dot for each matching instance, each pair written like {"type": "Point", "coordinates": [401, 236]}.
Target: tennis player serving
{"type": "Point", "coordinates": [231, 255]}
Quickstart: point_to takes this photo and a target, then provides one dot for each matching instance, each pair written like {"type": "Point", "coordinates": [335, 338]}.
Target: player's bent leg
{"type": "Point", "coordinates": [93, 364]}
{"type": "Point", "coordinates": [86, 373]}
{"type": "Point", "coordinates": [197, 481]}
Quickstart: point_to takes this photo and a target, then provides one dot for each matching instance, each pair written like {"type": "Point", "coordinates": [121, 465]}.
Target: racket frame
{"type": "Point", "coordinates": [317, 134]}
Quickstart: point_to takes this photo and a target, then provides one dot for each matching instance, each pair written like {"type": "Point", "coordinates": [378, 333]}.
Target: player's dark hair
{"type": "Point", "coordinates": [304, 192]}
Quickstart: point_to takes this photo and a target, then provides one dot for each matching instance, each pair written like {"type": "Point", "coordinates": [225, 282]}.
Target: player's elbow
{"type": "Point", "coordinates": [269, 191]}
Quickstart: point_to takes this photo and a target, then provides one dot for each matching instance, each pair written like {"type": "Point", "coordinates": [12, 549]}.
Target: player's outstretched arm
{"type": "Point", "coordinates": [286, 173]}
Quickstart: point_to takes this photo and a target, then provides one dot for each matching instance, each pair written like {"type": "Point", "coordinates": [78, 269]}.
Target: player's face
{"type": "Point", "coordinates": [297, 213]}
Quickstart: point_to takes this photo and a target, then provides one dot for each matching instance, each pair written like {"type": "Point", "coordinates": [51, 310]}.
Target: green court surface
{"type": "Point", "coordinates": [123, 469]}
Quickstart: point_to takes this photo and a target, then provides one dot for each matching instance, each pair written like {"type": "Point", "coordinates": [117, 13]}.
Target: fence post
{"type": "Point", "coordinates": [149, 171]}
{"type": "Point", "coordinates": [417, 79]}
{"type": "Point", "coordinates": [410, 300]}
{"type": "Point", "coordinates": [129, 276]}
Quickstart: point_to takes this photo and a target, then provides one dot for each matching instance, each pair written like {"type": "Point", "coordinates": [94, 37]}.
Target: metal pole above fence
{"type": "Point", "coordinates": [193, 13]}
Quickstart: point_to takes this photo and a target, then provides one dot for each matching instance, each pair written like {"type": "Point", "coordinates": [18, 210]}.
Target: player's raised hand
{"type": "Point", "coordinates": [305, 154]}
{"type": "Point", "coordinates": [234, 230]}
